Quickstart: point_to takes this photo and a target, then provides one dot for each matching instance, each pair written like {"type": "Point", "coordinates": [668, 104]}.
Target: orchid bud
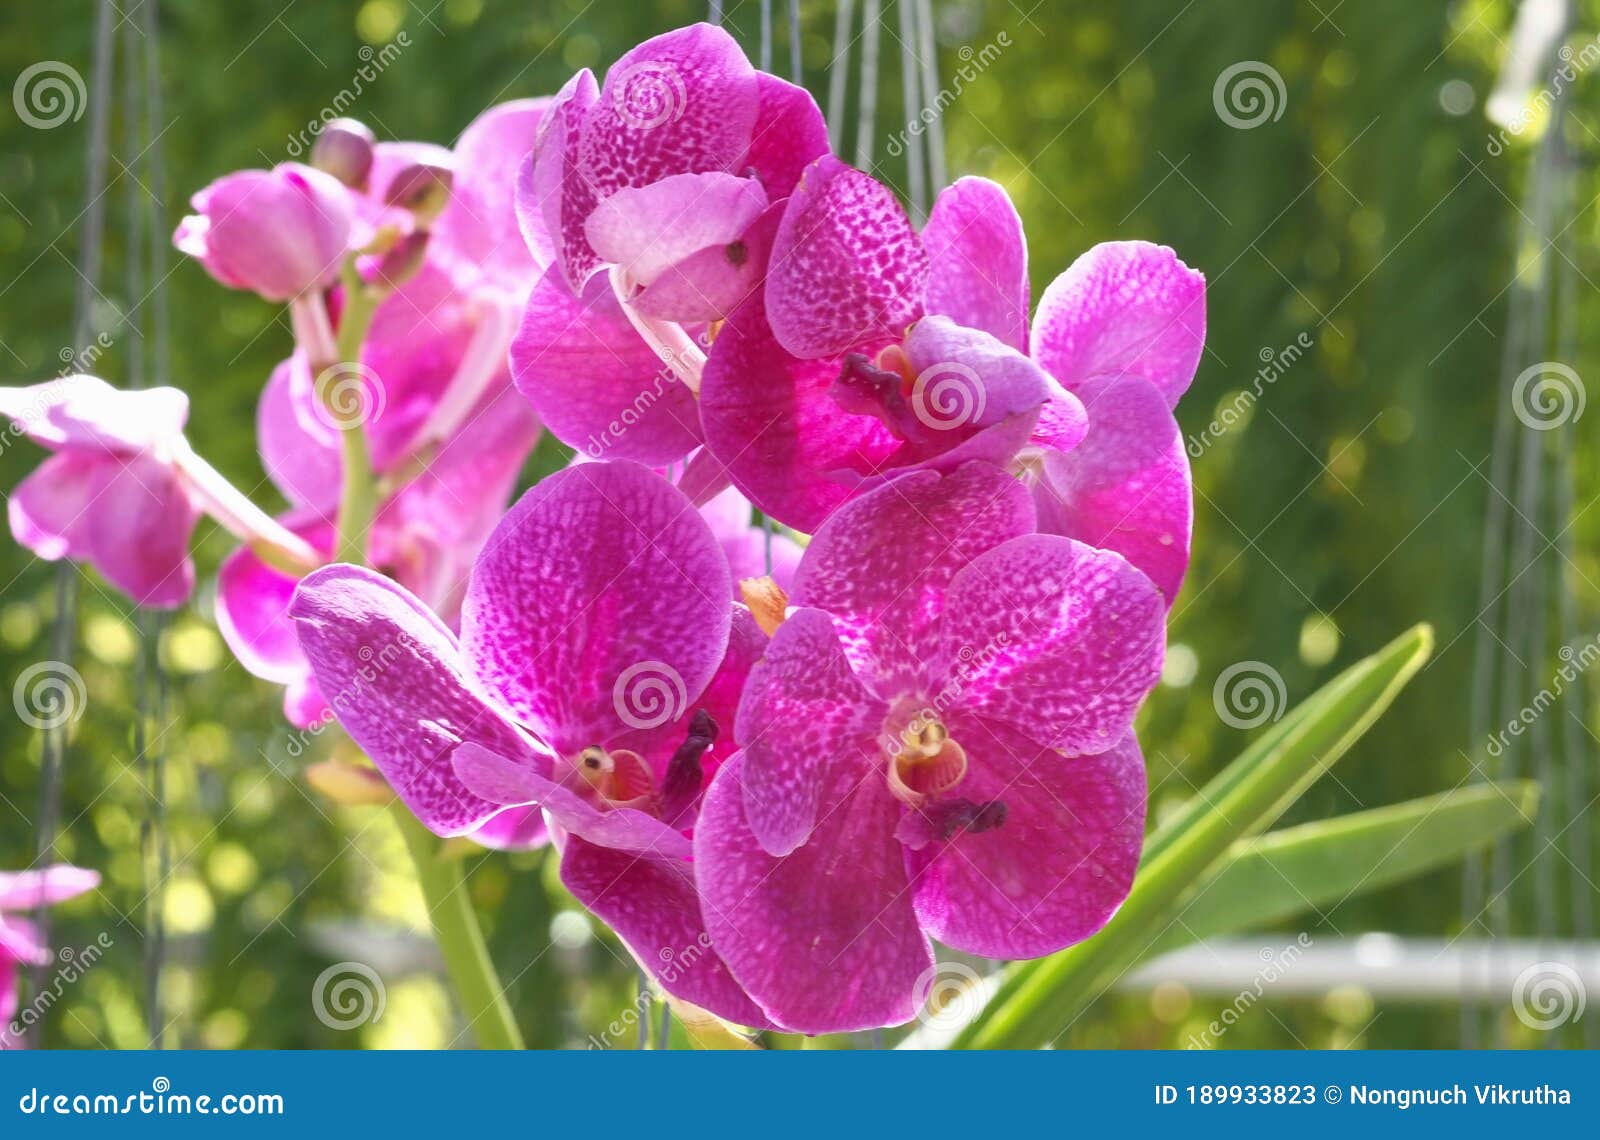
{"type": "Point", "coordinates": [278, 232]}
{"type": "Point", "coordinates": [423, 188]}
{"type": "Point", "coordinates": [400, 262]}
{"type": "Point", "coordinates": [344, 150]}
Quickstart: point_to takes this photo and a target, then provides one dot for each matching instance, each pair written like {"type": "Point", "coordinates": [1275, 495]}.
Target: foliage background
{"type": "Point", "coordinates": [1369, 217]}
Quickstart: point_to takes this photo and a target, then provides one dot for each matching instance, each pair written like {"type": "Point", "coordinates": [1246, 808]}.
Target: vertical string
{"type": "Point", "coordinates": [766, 35]}
{"type": "Point", "coordinates": [930, 93]}
{"type": "Point", "coordinates": [839, 73]}
{"type": "Point", "coordinates": [911, 103]}
{"type": "Point", "coordinates": [867, 107]}
{"type": "Point", "coordinates": [145, 143]}
{"type": "Point", "coordinates": [715, 15]}
{"type": "Point", "coordinates": [796, 70]}
{"type": "Point", "coordinates": [53, 750]}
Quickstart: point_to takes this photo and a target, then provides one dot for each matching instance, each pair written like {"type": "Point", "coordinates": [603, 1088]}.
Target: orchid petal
{"type": "Point", "coordinates": [1125, 307]}
{"type": "Point", "coordinates": [978, 260]}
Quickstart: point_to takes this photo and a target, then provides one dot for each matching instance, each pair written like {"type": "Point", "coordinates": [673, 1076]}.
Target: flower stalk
{"type": "Point", "coordinates": [460, 938]}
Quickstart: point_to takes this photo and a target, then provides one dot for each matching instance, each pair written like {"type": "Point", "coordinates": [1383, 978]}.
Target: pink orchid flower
{"type": "Point", "coordinates": [595, 675]}
{"type": "Point", "coordinates": [22, 892]}
{"type": "Point", "coordinates": [123, 489]}
{"type": "Point", "coordinates": [937, 743]}
{"type": "Point", "coordinates": [279, 232]}
{"type": "Point", "coordinates": [861, 360]}
{"type": "Point", "coordinates": [1117, 338]}
{"type": "Point", "coordinates": [653, 188]}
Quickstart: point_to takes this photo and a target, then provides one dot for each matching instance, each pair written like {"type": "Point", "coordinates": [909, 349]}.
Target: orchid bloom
{"type": "Point", "coordinates": [653, 188]}
{"type": "Point", "coordinates": [279, 232]}
{"type": "Point", "coordinates": [874, 350]}
{"type": "Point", "coordinates": [750, 551]}
{"type": "Point", "coordinates": [432, 394]}
{"type": "Point", "coordinates": [595, 675]}
{"type": "Point", "coordinates": [937, 743]}
{"type": "Point", "coordinates": [1116, 339]}
{"type": "Point", "coordinates": [22, 892]}
{"type": "Point", "coordinates": [124, 490]}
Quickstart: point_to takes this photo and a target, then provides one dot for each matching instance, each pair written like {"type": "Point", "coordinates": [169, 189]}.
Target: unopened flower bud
{"type": "Point", "coordinates": [401, 261]}
{"type": "Point", "coordinates": [344, 150]}
{"type": "Point", "coordinates": [423, 188]}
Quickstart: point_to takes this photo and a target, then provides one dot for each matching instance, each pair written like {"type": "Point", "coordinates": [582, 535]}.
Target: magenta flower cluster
{"type": "Point", "coordinates": [779, 765]}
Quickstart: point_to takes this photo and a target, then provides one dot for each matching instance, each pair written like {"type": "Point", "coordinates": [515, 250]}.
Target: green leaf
{"type": "Point", "coordinates": [1324, 863]}
{"type": "Point", "coordinates": [1039, 999]}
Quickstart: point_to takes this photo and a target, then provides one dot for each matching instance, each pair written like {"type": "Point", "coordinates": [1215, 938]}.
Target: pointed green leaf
{"type": "Point", "coordinates": [1039, 999]}
{"type": "Point", "coordinates": [1324, 863]}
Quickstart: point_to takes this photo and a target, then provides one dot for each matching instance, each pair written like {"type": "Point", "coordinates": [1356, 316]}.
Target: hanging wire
{"type": "Point", "coordinates": [930, 92]}
{"type": "Point", "coordinates": [867, 104]}
{"type": "Point", "coordinates": [53, 750]}
{"type": "Point", "coordinates": [148, 265]}
{"type": "Point", "coordinates": [715, 15]}
{"type": "Point", "coordinates": [796, 70]}
{"type": "Point", "coordinates": [839, 73]}
{"type": "Point", "coordinates": [1517, 588]}
{"type": "Point", "coordinates": [766, 35]}
{"type": "Point", "coordinates": [911, 105]}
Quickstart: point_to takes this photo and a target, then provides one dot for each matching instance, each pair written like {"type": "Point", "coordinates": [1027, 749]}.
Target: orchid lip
{"type": "Point", "coordinates": [617, 778]}
{"type": "Point", "coordinates": [928, 763]}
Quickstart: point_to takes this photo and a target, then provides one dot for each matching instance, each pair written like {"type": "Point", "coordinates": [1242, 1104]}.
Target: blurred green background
{"type": "Point", "coordinates": [1371, 218]}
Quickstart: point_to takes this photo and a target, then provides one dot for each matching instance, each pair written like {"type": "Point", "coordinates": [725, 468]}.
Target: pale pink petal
{"type": "Point", "coordinates": [1123, 308]}
{"type": "Point", "coordinates": [978, 260]}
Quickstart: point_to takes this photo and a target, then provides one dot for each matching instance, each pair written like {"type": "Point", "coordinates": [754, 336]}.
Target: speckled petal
{"type": "Point", "coordinates": [846, 267]}
{"type": "Point", "coordinates": [883, 563]}
{"type": "Point", "coordinates": [1056, 869]}
{"type": "Point", "coordinates": [1126, 487]}
{"type": "Point", "coordinates": [824, 939]}
{"type": "Point", "coordinates": [1124, 307]}
{"type": "Point", "coordinates": [392, 673]}
{"type": "Point", "coordinates": [596, 385]}
{"type": "Point", "coordinates": [599, 604]}
{"type": "Point", "coordinates": [1055, 638]}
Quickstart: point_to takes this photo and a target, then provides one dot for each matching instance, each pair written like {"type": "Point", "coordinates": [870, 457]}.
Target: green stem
{"type": "Point", "coordinates": [460, 939]}
{"type": "Point", "coordinates": [358, 498]}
